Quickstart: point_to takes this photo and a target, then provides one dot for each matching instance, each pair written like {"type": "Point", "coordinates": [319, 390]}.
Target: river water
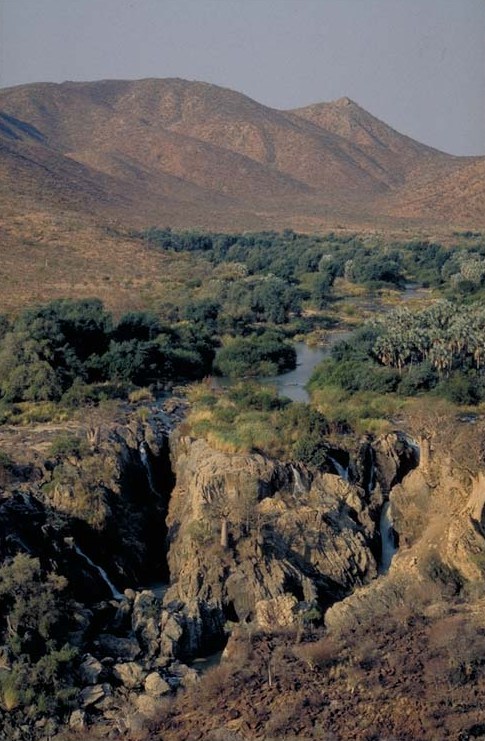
{"type": "Point", "coordinates": [292, 384]}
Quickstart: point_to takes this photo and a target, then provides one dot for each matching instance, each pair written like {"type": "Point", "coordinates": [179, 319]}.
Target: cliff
{"type": "Point", "coordinates": [205, 543]}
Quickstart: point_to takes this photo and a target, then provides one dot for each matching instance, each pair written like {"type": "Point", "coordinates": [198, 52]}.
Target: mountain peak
{"type": "Point", "coordinates": [341, 102]}
{"type": "Point", "coordinates": [164, 145]}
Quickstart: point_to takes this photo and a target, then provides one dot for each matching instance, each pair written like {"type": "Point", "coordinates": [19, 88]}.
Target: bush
{"type": "Point", "coordinates": [461, 388]}
{"type": "Point", "coordinates": [354, 375]}
{"type": "Point", "coordinates": [265, 354]}
{"type": "Point", "coordinates": [62, 348]}
{"type": "Point", "coordinates": [422, 377]}
{"type": "Point", "coordinates": [137, 325]}
{"type": "Point", "coordinates": [254, 396]}
{"type": "Point", "coordinates": [306, 428]}
{"type": "Point", "coordinates": [68, 446]}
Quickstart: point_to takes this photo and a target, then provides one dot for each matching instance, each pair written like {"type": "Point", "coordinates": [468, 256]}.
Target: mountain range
{"type": "Point", "coordinates": [192, 154]}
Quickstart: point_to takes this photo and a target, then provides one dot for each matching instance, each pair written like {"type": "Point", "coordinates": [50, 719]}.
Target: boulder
{"type": "Point", "coordinates": [94, 694]}
{"type": "Point", "coordinates": [171, 625]}
{"type": "Point", "coordinates": [146, 705]}
{"type": "Point", "coordinates": [90, 669]}
{"type": "Point", "coordinates": [130, 674]}
{"type": "Point", "coordinates": [123, 649]}
{"type": "Point", "coordinates": [78, 720]}
{"type": "Point", "coordinates": [156, 686]}
{"type": "Point", "coordinates": [185, 675]}
{"type": "Point", "coordinates": [146, 622]}
{"type": "Point", "coordinates": [278, 612]}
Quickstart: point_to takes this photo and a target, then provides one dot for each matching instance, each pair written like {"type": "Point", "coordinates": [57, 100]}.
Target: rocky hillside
{"type": "Point", "coordinates": [149, 556]}
{"type": "Point", "coordinates": [147, 563]}
{"type": "Point", "coordinates": [190, 153]}
{"type": "Point", "coordinates": [402, 656]}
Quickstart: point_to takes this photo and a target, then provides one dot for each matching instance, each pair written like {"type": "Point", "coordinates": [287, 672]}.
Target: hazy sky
{"type": "Point", "coordinates": [417, 64]}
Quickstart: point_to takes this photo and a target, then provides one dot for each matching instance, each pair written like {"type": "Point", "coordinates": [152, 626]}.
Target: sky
{"type": "Point", "coordinates": [419, 65]}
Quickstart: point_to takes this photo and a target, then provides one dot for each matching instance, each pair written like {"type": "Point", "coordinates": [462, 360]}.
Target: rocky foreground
{"type": "Point", "coordinates": [173, 550]}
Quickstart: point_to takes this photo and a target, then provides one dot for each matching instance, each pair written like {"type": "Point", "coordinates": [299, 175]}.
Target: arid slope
{"type": "Point", "coordinates": [191, 153]}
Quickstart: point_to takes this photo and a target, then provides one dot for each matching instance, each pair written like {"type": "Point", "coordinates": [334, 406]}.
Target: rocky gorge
{"type": "Point", "coordinates": [168, 546]}
{"type": "Point", "coordinates": [239, 538]}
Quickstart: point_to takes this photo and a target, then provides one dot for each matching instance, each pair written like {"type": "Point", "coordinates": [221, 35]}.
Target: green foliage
{"type": "Point", "coordinates": [68, 446]}
{"type": "Point", "coordinates": [203, 312]}
{"type": "Point", "coordinates": [44, 687]}
{"type": "Point", "coordinates": [137, 325]}
{"type": "Point", "coordinates": [418, 378]}
{"type": "Point", "coordinates": [354, 375]}
{"type": "Point", "coordinates": [81, 394]}
{"type": "Point", "coordinates": [249, 416]}
{"type": "Point", "coordinates": [30, 599]}
{"type": "Point", "coordinates": [307, 428]}
{"type": "Point", "coordinates": [200, 532]}
{"type": "Point", "coordinates": [462, 388]}
{"type": "Point", "coordinates": [253, 396]}
{"type": "Point", "coordinates": [265, 354]}
{"type": "Point", "coordinates": [85, 480]}
{"type": "Point", "coordinates": [132, 360]}
{"type": "Point", "coordinates": [61, 349]}
{"type": "Point", "coordinates": [34, 619]}
{"type": "Point", "coordinates": [439, 348]}
{"type": "Point", "coordinates": [322, 285]}
{"type": "Point", "coordinates": [372, 268]}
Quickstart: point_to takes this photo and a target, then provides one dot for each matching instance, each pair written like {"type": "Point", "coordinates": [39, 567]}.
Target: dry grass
{"type": "Point", "coordinates": [397, 677]}
{"type": "Point", "coordinates": [45, 257]}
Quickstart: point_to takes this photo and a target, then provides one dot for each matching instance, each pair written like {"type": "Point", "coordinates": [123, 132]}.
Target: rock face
{"type": "Point", "coordinates": [438, 507]}
{"type": "Point", "coordinates": [246, 538]}
{"type": "Point", "coordinates": [309, 543]}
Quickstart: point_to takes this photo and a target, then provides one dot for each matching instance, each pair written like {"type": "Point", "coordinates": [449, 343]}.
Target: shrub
{"type": "Point", "coordinates": [319, 654]}
{"type": "Point", "coordinates": [264, 354]}
{"type": "Point", "coordinates": [141, 394]}
{"type": "Point", "coordinates": [422, 377]}
{"type": "Point", "coordinates": [254, 396]}
{"type": "Point", "coordinates": [68, 446]}
{"type": "Point", "coordinates": [461, 388]}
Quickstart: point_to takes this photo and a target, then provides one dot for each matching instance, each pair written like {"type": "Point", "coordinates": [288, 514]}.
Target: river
{"type": "Point", "coordinates": [293, 383]}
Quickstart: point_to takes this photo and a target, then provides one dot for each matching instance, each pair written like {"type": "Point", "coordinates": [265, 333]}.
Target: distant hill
{"type": "Point", "coordinates": [169, 151]}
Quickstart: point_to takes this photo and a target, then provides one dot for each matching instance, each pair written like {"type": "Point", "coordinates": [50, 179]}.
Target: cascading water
{"type": "Point", "coordinates": [341, 470]}
{"type": "Point", "coordinates": [143, 449]}
{"type": "Point", "coordinates": [298, 485]}
{"type": "Point", "coordinates": [116, 595]}
{"type": "Point", "coordinates": [388, 538]}
{"type": "Point", "coordinates": [372, 476]}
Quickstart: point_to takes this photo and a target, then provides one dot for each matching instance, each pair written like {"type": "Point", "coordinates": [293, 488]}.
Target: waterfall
{"type": "Point", "coordinates": [341, 470]}
{"type": "Point", "coordinates": [143, 448]}
{"type": "Point", "coordinates": [298, 485]}
{"type": "Point", "coordinates": [388, 540]}
{"type": "Point", "coordinates": [372, 475]}
{"type": "Point", "coordinates": [101, 572]}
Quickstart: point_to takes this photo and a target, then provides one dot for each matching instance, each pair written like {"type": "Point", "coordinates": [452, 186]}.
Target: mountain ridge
{"type": "Point", "coordinates": [151, 145]}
